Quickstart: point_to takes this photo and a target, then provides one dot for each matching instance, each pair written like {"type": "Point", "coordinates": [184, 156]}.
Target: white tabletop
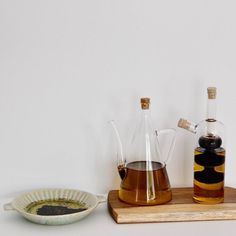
{"type": "Point", "coordinates": [99, 222]}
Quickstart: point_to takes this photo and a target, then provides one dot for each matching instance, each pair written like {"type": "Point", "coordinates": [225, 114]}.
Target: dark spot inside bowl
{"type": "Point", "coordinates": [56, 207]}
{"type": "Point", "coordinates": [48, 210]}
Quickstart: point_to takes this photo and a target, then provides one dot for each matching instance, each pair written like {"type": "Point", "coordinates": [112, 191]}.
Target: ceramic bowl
{"type": "Point", "coordinates": [21, 204]}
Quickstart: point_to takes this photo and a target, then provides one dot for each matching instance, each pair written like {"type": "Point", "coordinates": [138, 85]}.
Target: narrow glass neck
{"type": "Point", "coordinates": [211, 109]}
{"type": "Point", "coordinates": [211, 117]}
{"type": "Point", "coordinates": [146, 121]}
{"type": "Point", "coordinates": [147, 137]}
{"type": "Point", "coordinates": [145, 113]}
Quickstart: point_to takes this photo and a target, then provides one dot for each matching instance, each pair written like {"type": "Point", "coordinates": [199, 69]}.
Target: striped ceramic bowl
{"type": "Point", "coordinates": [25, 203]}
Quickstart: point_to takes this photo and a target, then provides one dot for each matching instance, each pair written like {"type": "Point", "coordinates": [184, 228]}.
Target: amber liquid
{"type": "Point", "coordinates": [144, 183]}
{"type": "Point", "coordinates": [209, 168]}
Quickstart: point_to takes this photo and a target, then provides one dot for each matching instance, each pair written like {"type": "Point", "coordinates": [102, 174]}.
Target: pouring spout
{"type": "Point", "coordinates": [120, 154]}
{"type": "Point", "coordinates": [188, 125]}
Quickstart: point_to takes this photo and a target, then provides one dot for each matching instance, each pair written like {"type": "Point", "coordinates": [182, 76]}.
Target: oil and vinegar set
{"type": "Point", "coordinates": [144, 178]}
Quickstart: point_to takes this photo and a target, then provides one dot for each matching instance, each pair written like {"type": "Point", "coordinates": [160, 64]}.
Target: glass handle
{"type": "Point", "coordinates": [172, 133]}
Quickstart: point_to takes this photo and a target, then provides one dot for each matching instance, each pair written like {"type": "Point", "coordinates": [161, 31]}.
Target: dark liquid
{"type": "Point", "coordinates": [145, 183]}
{"type": "Point", "coordinates": [209, 169]}
{"type": "Point", "coordinates": [55, 207]}
{"type": "Point", "coordinates": [48, 210]}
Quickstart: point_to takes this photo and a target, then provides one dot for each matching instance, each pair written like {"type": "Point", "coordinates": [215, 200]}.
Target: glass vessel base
{"type": "Point", "coordinates": [208, 200]}
{"type": "Point", "coordinates": [214, 194]}
{"type": "Point", "coordinates": [131, 197]}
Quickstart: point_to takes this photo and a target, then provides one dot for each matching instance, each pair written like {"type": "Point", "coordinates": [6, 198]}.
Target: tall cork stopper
{"type": "Point", "coordinates": [211, 91]}
{"type": "Point", "coordinates": [184, 124]}
{"type": "Point", "coordinates": [145, 102]}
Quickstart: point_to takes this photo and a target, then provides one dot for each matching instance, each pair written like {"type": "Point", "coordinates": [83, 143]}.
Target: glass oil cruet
{"type": "Point", "coordinates": [209, 154]}
{"type": "Point", "coordinates": [144, 179]}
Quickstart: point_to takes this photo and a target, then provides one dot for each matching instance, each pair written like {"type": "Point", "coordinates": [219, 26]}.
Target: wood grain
{"type": "Point", "coordinates": [181, 208]}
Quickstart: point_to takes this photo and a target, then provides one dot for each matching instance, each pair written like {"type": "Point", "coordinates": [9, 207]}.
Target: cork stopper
{"type": "Point", "coordinates": [145, 102]}
{"type": "Point", "coordinates": [184, 124]}
{"type": "Point", "coordinates": [211, 91]}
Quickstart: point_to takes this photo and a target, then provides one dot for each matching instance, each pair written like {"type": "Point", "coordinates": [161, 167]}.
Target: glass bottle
{"type": "Point", "coordinates": [144, 179]}
{"type": "Point", "coordinates": [209, 154]}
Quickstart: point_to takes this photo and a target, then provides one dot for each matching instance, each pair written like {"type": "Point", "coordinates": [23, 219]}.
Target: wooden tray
{"type": "Point", "coordinates": [181, 208]}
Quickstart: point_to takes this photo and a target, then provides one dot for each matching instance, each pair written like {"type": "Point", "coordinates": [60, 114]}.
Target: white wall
{"type": "Point", "coordinates": [67, 67]}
